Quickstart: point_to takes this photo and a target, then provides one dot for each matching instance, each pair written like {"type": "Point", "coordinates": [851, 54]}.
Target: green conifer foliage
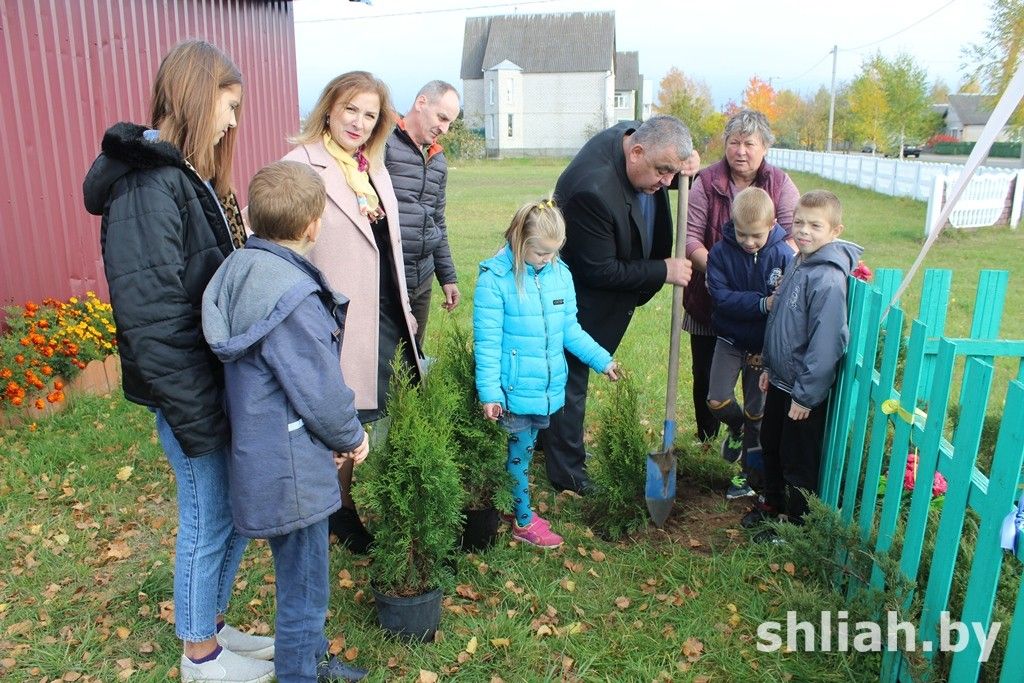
{"type": "Point", "coordinates": [410, 483]}
{"type": "Point", "coordinates": [617, 468]}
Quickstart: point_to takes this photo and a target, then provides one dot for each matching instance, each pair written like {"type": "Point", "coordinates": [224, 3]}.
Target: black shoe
{"type": "Point", "coordinates": [769, 536]}
{"type": "Point", "coordinates": [333, 669]}
{"type": "Point", "coordinates": [346, 525]}
{"type": "Point", "coordinates": [759, 514]}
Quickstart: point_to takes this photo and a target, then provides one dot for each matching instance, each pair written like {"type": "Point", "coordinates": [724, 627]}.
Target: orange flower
{"type": "Point", "coordinates": [16, 401]}
{"type": "Point", "coordinates": [6, 373]}
{"type": "Point", "coordinates": [40, 404]}
{"type": "Point", "coordinates": [33, 427]}
{"type": "Point", "coordinates": [46, 370]}
{"type": "Point", "coordinates": [58, 385]}
{"type": "Point", "coordinates": [43, 324]}
{"type": "Point", "coordinates": [31, 306]}
{"type": "Point", "coordinates": [37, 339]}
{"type": "Point", "coordinates": [19, 359]}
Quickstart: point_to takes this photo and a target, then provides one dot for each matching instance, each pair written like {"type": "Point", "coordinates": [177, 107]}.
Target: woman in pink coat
{"type": "Point", "coordinates": [359, 250]}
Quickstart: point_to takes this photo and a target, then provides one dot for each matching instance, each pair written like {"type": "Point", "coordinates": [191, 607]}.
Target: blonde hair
{"type": "Point", "coordinates": [823, 199]}
{"type": "Point", "coordinates": [532, 223]}
{"type": "Point", "coordinates": [344, 88]}
{"type": "Point", "coordinates": [753, 207]}
{"type": "Point", "coordinates": [186, 93]}
{"type": "Point", "coordinates": [284, 198]}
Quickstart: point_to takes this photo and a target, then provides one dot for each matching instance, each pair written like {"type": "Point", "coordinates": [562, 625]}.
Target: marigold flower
{"type": "Point", "coordinates": [16, 401]}
{"type": "Point", "coordinates": [40, 404]}
{"type": "Point", "coordinates": [33, 427]}
{"type": "Point", "coordinates": [19, 359]}
{"type": "Point", "coordinates": [6, 373]}
{"type": "Point", "coordinates": [58, 385]}
{"type": "Point", "coordinates": [46, 370]}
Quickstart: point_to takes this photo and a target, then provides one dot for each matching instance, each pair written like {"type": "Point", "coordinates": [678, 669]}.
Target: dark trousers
{"type": "Point", "coordinates": [419, 300]}
{"type": "Point", "coordinates": [702, 352]}
{"type": "Point", "coordinates": [792, 453]}
{"type": "Point", "coordinates": [562, 441]}
{"type": "Point", "coordinates": [303, 584]}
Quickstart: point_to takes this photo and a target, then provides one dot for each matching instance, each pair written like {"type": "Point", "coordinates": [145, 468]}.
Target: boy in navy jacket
{"type": "Point", "coordinates": [274, 322]}
{"type": "Point", "coordinates": [744, 268]}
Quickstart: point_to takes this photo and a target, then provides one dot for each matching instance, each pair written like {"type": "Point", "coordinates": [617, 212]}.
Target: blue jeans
{"type": "Point", "coordinates": [303, 587]}
{"type": "Point", "coordinates": [208, 548]}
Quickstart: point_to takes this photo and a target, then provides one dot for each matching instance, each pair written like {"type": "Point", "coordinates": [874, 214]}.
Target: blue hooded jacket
{"type": "Point", "coordinates": [740, 281]}
{"type": "Point", "coordinates": [520, 335]}
{"type": "Point", "coordinates": [271, 318]}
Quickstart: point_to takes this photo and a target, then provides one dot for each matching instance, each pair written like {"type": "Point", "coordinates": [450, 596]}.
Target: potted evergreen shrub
{"type": "Point", "coordinates": [411, 486]}
{"type": "Point", "coordinates": [480, 445]}
{"type": "Point", "coordinates": [617, 468]}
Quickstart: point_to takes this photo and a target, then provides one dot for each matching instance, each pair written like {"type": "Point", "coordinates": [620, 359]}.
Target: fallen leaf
{"type": "Point", "coordinates": [692, 649]}
{"type": "Point", "coordinates": [125, 473]}
{"type": "Point", "coordinates": [694, 543]}
{"type": "Point", "coordinates": [568, 585]}
{"type": "Point", "coordinates": [500, 642]}
{"type": "Point", "coordinates": [790, 568]}
{"type": "Point", "coordinates": [597, 556]}
{"type": "Point", "coordinates": [467, 591]}
{"type": "Point", "coordinates": [337, 644]}
{"type": "Point", "coordinates": [544, 630]}
{"type": "Point", "coordinates": [622, 602]}
{"type": "Point", "coordinates": [426, 677]}
{"type": "Point", "coordinates": [351, 654]}
{"type": "Point", "coordinates": [123, 632]}
{"type": "Point", "coordinates": [774, 566]}
{"type": "Point", "coordinates": [471, 645]}
{"type": "Point", "coordinates": [463, 657]}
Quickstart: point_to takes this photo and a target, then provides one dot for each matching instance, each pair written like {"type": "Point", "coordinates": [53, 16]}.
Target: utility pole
{"type": "Point", "coordinates": [832, 100]}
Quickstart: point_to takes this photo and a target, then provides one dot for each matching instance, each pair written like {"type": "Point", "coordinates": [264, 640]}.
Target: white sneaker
{"type": "Point", "coordinates": [256, 647]}
{"type": "Point", "coordinates": [228, 667]}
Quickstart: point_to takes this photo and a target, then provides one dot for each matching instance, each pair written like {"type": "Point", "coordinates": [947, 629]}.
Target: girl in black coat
{"type": "Point", "coordinates": [164, 193]}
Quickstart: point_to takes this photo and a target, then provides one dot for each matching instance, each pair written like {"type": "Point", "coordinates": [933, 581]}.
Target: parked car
{"type": "Point", "coordinates": [869, 148]}
{"type": "Point", "coordinates": [912, 151]}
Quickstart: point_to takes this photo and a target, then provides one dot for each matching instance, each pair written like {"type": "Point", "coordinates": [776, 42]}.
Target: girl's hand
{"type": "Point", "coordinates": [356, 456]}
{"type": "Point", "coordinates": [492, 411]}
{"type": "Point", "coordinates": [762, 382]}
{"type": "Point", "coordinates": [797, 411]}
{"type": "Point", "coordinates": [612, 371]}
{"type": "Point", "coordinates": [769, 300]}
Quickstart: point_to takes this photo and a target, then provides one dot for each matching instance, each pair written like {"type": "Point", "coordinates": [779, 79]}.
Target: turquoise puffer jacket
{"type": "Point", "coordinates": [520, 336]}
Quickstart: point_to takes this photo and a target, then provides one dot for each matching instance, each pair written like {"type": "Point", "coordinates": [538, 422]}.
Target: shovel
{"type": "Point", "coordinates": [660, 490]}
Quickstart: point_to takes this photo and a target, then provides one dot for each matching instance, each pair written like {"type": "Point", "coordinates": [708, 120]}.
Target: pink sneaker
{"type": "Point", "coordinates": [537, 533]}
{"type": "Point", "coordinates": [511, 520]}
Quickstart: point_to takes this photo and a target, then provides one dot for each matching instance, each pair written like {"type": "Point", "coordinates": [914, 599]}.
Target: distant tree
{"type": "Point", "coordinates": [689, 100]}
{"type": "Point", "coordinates": [789, 106]}
{"type": "Point", "coordinates": [940, 92]}
{"type": "Point", "coordinates": [760, 96]}
{"type": "Point", "coordinates": [909, 113]}
{"type": "Point", "coordinates": [992, 62]}
{"type": "Point", "coordinates": [868, 108]}
{"type": "Point", "coordinates": [969, 86]}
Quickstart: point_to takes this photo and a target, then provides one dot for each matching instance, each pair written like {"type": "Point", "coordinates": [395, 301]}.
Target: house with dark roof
{"type": "Point", "coordinates": [967, 115]}
{"type": "Point", "coordinates": [542, 84]}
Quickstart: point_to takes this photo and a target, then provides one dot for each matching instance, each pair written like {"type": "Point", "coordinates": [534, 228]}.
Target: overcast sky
{"type": "Point", "coordinates": [723, 43]}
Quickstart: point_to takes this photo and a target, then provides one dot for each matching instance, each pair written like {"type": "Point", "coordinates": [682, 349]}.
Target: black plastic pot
{"type": "Point", "coordinates": [480, 530]}
{"type": "Point", "coordinates": [413, 618]}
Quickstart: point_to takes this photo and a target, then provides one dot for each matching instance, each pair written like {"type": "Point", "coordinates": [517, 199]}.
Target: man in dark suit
{"type": "Point", "coordinates": [618, 247]}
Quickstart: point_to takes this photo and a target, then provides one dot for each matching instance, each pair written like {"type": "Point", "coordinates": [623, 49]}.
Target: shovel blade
{"type": "Point", "coordinates": [660, 490]}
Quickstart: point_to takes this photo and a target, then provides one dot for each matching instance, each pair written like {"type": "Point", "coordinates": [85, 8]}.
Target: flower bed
{"type": "Point", "coordinates": [51, 349]}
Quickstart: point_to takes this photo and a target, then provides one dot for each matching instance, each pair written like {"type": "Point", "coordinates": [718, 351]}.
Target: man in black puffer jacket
{"type": "Point", "coordinates": [419, 173]}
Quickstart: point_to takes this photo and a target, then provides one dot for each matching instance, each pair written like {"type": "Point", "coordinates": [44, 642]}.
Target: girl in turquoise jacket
{"type": "Point", "coordinates": [524, 318]}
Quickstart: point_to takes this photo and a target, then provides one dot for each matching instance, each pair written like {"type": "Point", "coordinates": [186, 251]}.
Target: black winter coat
{"type": "Point", "coordinates": [603, 247]}
{"type": "Point", "coordinates": [420, 186]}
{"type": "Point", "coordinates": [163, 235]}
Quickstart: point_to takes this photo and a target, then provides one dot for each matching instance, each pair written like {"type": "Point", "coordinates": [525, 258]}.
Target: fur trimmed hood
{"type": "Point", "coordinates": [124, 149]}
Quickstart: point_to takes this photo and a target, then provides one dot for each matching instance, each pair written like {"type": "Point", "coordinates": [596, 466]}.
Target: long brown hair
{"type": "Point", "coordinates": [185, 96]}
{"type": "Point", "coordinates": [344, 88]}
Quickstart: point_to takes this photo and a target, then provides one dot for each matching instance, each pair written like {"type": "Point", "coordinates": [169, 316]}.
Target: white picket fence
{"type": "Point", "coordinates": [982, 204]}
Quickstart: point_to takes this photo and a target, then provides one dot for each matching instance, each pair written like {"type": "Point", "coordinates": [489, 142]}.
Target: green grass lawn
{"type": "Point", "coordinates": [87, 516]}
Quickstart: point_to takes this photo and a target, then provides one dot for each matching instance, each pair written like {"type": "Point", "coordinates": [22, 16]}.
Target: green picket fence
{"type": "Point", "coordinates": [887, 403]}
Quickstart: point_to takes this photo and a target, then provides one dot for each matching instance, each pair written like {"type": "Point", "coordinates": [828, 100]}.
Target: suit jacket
{"type": "Point", "coordinates": [605, 242]}
{"type": "Point", "coordinates": [347, 254]}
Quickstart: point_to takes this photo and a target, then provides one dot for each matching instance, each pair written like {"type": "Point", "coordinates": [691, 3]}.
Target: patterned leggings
{"type": "Point", "coordinates": [520, 452]}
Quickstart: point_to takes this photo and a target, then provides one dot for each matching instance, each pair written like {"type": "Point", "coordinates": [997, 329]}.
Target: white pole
{"type": "Point", "coordinates": [832, 99]}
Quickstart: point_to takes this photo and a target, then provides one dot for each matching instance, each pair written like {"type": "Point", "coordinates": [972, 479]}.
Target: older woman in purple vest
{"type": "Point", "coordinates": [747, 139]}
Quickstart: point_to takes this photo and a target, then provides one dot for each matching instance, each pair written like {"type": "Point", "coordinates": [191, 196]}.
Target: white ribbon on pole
{"type": "Point", "coordinates": [1000, 115]}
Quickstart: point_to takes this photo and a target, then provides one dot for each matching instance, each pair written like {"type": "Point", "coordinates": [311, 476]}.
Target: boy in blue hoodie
{"type": "Point", "coordinates": [271, 318]}
{"type": "Point", "coordinates": [804, 341]}
{"type": "Point", "coordinates": [744, 268]}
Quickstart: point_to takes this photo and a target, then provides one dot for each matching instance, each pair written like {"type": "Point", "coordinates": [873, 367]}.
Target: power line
{"type": "Point", "coordinates": [816, 64]}
{"type": "Point", "coordinates": [324, 20]}
{"type": "Point", "coordinates": [905, 28]}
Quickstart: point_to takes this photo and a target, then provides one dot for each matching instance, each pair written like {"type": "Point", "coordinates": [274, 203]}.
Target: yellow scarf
{"type": "Point", "coordinates": [357, 179]}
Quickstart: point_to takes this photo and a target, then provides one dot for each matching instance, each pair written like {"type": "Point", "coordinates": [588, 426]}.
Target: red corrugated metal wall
{"type": "Point", "coordinates": [73, 68]}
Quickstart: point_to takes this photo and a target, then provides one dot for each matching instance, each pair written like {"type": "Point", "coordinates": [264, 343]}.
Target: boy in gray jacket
{"type": "Point", "coordinates": [805, 338]}
{"type": "Point", "coordinates": [271, 318]}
